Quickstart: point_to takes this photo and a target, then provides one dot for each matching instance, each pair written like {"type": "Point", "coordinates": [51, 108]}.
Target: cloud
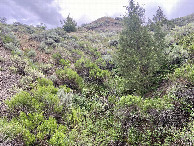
{"type": "Point", "coordinates": [182, 8]}
{"type": "Point", "coordinates": [31, 11]}
{"type": "Point", "coordinates": [51, 12]}
{"type": "Point", "coordinates": [91, 10]}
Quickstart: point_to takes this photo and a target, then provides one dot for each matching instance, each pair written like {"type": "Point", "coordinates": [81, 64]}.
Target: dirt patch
{"type": "Point", "coordinates": [27, 44]}
{"type": "Point", "coordinates": [7, 78]}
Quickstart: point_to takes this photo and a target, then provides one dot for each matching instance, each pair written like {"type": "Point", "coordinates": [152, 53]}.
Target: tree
{"type": "Point", "coordinates": [69, 24]}
{"type": "Point", "coordinates": [3, 20]}
{"type": "Point", "coordinates": [159, 20]}
{"type": "Point", "coordinates": [159, 17]}
{"type": "Point", "coordinates": [138, 58]}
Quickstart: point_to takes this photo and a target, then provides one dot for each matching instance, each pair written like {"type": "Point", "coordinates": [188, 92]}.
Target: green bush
{"type": "Point", "coordinates": [41, 99]}
{"type": "Point", "coordinates": [90, 69]}
{"type": "Point", "coordinates": [70, 77]}
{"type": "Point", "coordinates": [64, 62]}
{"type": "Point", "coordinates": [31, 53]}
{"type": "Point", "coordinates": [7, 39]}
{"type": "Point", "coordinates": [185, 72]}
{"type": "Point", "coordinates": [45, 82]}
{"type": "Point", "coordinates": [34, 115]}
{"type": "Point", "coordinates": [33, 128]}
{"type": "Point", "coordinates": [145, 105]}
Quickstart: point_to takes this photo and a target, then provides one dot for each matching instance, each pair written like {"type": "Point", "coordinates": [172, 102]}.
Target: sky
{"type": "Point", "coordinates": [50, 12]}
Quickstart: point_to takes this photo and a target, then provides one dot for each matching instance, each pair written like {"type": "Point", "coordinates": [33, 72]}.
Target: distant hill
{"type": "Point", "coordinates": [181, 21]}
{"type": "Point", "coordinates": [105, 24]}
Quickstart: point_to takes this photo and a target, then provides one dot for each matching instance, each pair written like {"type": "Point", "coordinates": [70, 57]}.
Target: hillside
{"type": "Point", "coordinates": [105, 24]}
{"type": "Point", "coordinates": [59, 88]}
{"type": "Point", "coordinates": [182, 21]}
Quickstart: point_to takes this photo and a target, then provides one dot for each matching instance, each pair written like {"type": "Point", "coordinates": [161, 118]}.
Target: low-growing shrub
{"type": "Point", "coordinates": [185, 72]}
{"type": "Point", "coordinates": [89, 69]}
{"type": "Point", "coordinates": [64, 62]}
{"type": "Point", "coordinates": [70, 77]}
{"type": "Point", "coordinates": [43, 99]}
{"type": "Point", "coordinates": [31, 53]}
{"type": "Point", "coordinates": [145, 105]}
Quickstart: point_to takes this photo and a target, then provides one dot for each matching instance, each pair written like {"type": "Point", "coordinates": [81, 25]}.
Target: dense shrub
{"type": "Point", "coordinates": [70, 77]}
{"type": "Point", "coordinates": [185, 72]}
{"type": "Point", "coordinates": [91, 70]}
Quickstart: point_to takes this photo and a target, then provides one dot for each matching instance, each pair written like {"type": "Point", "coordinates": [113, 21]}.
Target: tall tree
{"type": "Point", "coordinates": [69, 24]}
{"type": "Point", "coordinates": [138, 58]}
{"type": "Point", "coordinates": [159, 17]}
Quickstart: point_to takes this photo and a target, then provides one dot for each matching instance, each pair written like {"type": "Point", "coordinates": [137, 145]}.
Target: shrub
{"type": "Point", "coordinates": [89, 69]}
{"type": "Point", "coordinates": [145, 105]}
{"type": "Point", "coordinates": [44, 82]}
{"type": "Point", "coordinates": [185, 72]}
{"type": "Point", "coordinates": [64, 62]}
{"type": "Point", "coordinates": [70, 78]}
{"type": "Point", "coordinates": [176, 55]}
{"type": "Point", "coordinates": [33, 128]}
{"type": "Point", "coordinates": [26, 82]}
{"type": "Point", "coordinates": [45, 68]}
{"type": "Point", "coordinates": [31, 53]}
{"type": "Point", "coordinates": [7, 39]}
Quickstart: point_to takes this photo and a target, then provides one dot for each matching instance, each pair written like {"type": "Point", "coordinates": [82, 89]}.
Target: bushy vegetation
{"type": "Point", "coordinates": [133, 87]}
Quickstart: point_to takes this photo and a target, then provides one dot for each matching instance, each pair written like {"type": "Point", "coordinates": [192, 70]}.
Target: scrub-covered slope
{"type": "Point", "coordinates": [59, 88]}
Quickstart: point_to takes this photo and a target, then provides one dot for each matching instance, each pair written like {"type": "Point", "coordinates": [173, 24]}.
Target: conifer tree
{"type": "Point", "coordinates": [69, 24]}
{"type": "Point", "coordinates": [138, 58]}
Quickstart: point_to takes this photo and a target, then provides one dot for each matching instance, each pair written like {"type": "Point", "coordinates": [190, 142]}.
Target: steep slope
{"type": "Point", "coordinates": [64, 89]}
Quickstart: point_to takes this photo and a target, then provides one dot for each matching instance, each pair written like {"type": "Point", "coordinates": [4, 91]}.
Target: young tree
{"type": "Point", "coordinates": [138, 57]}
{"type": "Point", "coordinates": [159, 17]}
{"type": "Point", "coordinates": [3, 20]}
{"type": "Point", "coordinates": [69, 24]}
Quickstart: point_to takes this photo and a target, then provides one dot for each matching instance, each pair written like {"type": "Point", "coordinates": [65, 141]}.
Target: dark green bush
{"type": "Point", "coordinates": [89, 69]}
{"type": "Point", "coordinates": [70, 77]}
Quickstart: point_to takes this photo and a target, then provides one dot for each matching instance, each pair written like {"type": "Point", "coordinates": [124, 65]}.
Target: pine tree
{"type": "Point", "coordinates": [69, 25]}
{"type": "Point", "coordinates": [159, 17]}
{"type": "Point", "coordinates": [138, 58]}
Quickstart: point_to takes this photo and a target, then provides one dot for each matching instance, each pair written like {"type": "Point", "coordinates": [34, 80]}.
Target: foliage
{"type": "Point", "coordinates": [89, 69]}
{"type": "Point", "coordinates": [31, 53]}
{"type": "Point", "coordinates": [69, 24]}
{"type": "Point", "coordinates": [139, 55]}
{"type": "Point", "coordinates": [70, 77]}
{"type": "Point", "coordinates": [89, 100]}
{"type": "Point", "coordinates": [185, 72]}
{"type": "Point", "coordinates": [145, 104]}
{"type": "Point", "coordinates": [64, 62]}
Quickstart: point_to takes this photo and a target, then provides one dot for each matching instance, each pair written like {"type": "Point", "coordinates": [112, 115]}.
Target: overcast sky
{"type": "Point", "coordinates": [50, 12]}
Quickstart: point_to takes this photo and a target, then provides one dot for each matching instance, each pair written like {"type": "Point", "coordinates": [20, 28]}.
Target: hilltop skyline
{"type": "Point", "coordinates": [50, 12]}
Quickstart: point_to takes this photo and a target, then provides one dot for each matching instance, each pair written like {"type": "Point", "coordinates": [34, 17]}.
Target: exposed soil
{"type": "Point", "coordinates": [7, 78]}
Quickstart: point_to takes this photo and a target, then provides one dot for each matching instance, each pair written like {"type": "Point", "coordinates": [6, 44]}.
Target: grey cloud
{"type": "Point", "coordinates": [82, 20]}
{"type": "Point", "coordinates": [183, 8]}
{"type": "Point", "coordinates": [36, 11]}
{"type": "Point", "coordinates": [31, 11]}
